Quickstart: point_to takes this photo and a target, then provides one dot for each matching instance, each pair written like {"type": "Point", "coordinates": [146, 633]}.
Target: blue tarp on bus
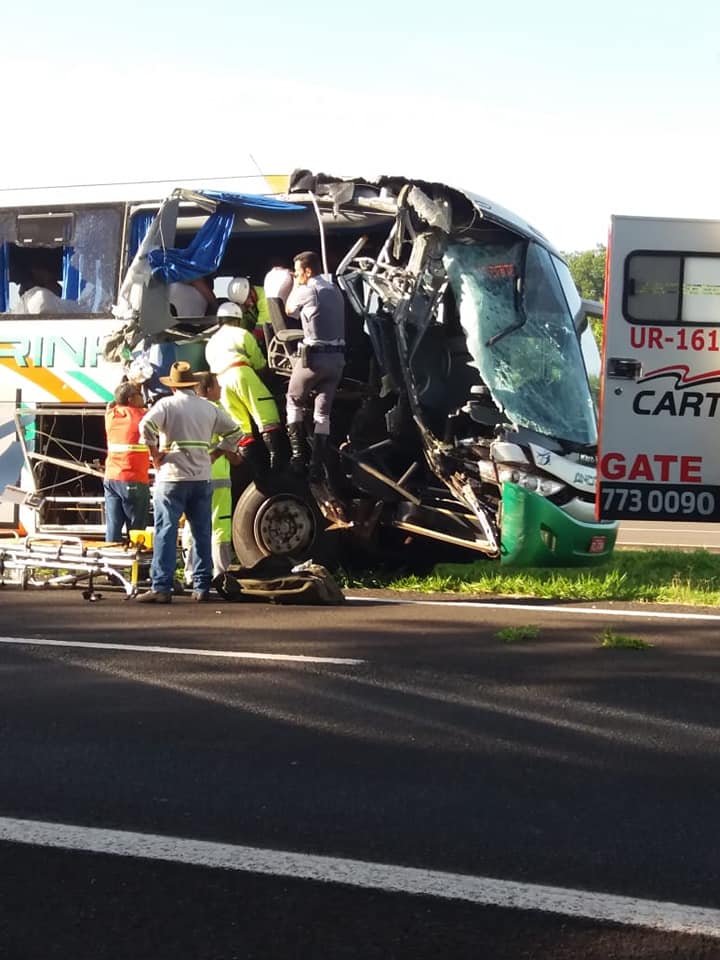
{"type": "Point", "coordinates": [205, 252]}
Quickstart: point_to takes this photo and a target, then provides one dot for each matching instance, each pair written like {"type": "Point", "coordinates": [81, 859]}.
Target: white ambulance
{"type": "Point", "coordinates": [660, 393]}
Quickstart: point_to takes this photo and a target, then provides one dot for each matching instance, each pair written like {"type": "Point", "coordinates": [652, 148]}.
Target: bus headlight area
{"type": "Point", "coordinates": [545, 486]}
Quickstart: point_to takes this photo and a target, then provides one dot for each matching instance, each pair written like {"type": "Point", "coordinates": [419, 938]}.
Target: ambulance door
{"type": "Point", "coordinates": [659, 456]}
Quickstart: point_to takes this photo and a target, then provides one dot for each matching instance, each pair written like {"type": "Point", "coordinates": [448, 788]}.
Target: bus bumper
{"type": "Point", "coordinates": [537, 533]}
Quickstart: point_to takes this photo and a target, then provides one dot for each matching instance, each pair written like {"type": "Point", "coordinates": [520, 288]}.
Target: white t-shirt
{"type": "Point", "coordinates": [187, 300]}
{"type": "Point", "coordinates": [38, 300]}
{"type": "Point", "coordinates": [278, 283]}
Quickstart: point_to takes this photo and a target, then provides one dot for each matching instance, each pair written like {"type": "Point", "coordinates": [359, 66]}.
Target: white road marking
{"type": "Point", "coordinates": [541, 608]}
{"type": "Point", "coordinates": [664, 546]}
{"type": "Point", "coordinates": [187, 651]}
{"type": "Point", "coordinates": [629, 911]}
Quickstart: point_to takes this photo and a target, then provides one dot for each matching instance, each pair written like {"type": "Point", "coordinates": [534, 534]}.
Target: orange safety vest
{"type": "Point", "coordinates": [128, 459]}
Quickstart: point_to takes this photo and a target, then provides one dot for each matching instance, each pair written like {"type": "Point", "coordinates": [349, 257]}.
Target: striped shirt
{"type": "Point", "coordinates": [183, 426]}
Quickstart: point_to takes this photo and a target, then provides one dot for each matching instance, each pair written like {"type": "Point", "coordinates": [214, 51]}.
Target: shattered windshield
{"type": "Point", "coordinates": [520, 332]}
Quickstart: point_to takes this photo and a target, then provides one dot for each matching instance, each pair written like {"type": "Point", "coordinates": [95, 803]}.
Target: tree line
{"type": "Point", "coordinates": [587, 268]}
{"type": "Point", "coordinates": [588, 271]}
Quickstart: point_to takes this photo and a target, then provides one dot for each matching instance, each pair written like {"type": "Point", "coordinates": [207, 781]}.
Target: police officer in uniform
{"type": "Point", "coordinates": [321, 309]}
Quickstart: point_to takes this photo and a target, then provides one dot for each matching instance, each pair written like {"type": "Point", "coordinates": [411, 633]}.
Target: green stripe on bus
{"type": "Point", "coordinates": [98, 389]}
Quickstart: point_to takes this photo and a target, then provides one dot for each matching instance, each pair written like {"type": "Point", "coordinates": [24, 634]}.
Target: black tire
{"type": "Point", "coordinates": [280, 519]}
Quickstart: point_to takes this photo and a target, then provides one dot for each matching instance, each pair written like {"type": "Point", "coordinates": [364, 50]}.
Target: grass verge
{"type": "Point", "coordinates": [657, 576]}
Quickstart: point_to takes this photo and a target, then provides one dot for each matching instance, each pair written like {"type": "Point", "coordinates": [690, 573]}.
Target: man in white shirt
{"type": "Point", "coordinates": [179, 432]}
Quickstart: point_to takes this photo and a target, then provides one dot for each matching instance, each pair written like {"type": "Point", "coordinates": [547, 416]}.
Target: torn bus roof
{"type": "Point", "coordinates": [212, 199]}
{"type": "Point", "coordinates": [248, 201]}
{"type": "Point", "coordinates": [342, 190]}
{"type": "Point", "coordinates": [204, 254]}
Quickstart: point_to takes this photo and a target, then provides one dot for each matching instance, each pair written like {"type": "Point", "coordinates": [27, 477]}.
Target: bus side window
{"type": "Point", "coordinates": [58, 264]}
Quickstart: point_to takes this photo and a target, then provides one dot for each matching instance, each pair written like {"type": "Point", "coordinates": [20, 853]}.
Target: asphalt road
{"type": "Point", "coordinates": [222, 781]}
{"type": "Point", "coordinates": [691, 536]}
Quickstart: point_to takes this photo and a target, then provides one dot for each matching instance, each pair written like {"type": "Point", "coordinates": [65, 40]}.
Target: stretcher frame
{"type": "Point", "coordinates": [51, 560]}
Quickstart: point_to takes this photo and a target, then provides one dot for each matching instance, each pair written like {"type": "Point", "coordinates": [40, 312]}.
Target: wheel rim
{"type": "Point", "coordinates": [284, 525]}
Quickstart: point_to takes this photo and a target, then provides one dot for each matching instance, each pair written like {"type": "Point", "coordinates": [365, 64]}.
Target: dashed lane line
{"type": "Point", "coordinates": [541, 608]}
{"type": "Point", "coordinates": [187, 651]}
{"type": "Point", "coordinates": [487, 891]}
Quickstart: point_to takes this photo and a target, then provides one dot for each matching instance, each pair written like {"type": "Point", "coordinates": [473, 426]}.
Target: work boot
{"type": "Point", "coordinates": [154, 596]}
{"type": "Point", "coordinates": [318, 458]}
{"type": "Point", "coordinates": [273, 441]}
{"type": "Point", "coordinates": [201, 596]}
{"type": "Point", "coordinates": [296, 436]}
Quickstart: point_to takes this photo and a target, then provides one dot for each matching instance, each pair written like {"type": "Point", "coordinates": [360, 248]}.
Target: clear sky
{"type": "Point", "coordinates": [564, 112]}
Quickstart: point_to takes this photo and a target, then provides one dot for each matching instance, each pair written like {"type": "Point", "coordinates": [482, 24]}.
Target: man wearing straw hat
{"type": "Point", "coordinates": [178, 431]}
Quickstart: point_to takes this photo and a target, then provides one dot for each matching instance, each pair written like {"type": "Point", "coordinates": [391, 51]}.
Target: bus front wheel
{"type": "Point", "coordinates": [283, 522]}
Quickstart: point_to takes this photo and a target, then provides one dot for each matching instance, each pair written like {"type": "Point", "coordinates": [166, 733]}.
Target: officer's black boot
{"type": "Point", "coordinates": [318, 459]}
{"type": "Point", "coordinates": [296, 436]}
{"type": "Point", "coordinates": [273, 441]}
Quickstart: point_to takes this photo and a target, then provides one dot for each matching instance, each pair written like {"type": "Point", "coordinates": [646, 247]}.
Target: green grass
{"type": "Point", "coordinates": [658, 576]}
{"type": "Point", "coordinates": [518, 634]}
{"type": "Point", "coordinates": [620, 641]}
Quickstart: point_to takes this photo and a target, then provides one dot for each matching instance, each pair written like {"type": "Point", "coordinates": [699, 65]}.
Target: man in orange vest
{"type": "Point", "coordinates": [127, 480]}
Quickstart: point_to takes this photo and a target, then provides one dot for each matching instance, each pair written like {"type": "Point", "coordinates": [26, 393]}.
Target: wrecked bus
{"type": "Point", "coordinates": [464, 416]}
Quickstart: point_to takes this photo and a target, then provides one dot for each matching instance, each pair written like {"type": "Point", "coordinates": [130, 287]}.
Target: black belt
{"type": "Point", "coordinates": [326, 347]}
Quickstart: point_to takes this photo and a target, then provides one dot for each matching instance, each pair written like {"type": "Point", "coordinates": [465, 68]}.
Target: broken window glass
{"type": "Point", "coordinates": [534, 370]}
{"type": "Point", "coordinates": [69, 270]}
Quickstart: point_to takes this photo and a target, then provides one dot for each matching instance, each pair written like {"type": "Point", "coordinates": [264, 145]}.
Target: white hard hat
{"type": "Point", "coordinates": [229, 310]}
{"type": "Point", "coordinates": [239, 289]}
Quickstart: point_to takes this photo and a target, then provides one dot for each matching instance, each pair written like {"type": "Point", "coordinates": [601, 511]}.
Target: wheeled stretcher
{"type": "Point", "coordinates": [49, 560]}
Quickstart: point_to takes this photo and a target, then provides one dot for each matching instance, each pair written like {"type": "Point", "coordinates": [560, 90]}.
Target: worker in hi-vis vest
{"type": "Point", "coordinates": [234, 356]}
{"type": "Point", "coordinates": [127, 482]}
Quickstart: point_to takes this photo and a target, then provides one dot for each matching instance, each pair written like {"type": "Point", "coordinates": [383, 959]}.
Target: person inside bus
{"type": "Point", "coordinates": [277, 286]}
{"type": "Point", "coordinates": [192, 298]}
{"type": "Point", "coordinates": [278, 282]}
{"type": "Point", "coordinates": [41, 293]}
{"type": "Point", "coordinates": [251, 298]}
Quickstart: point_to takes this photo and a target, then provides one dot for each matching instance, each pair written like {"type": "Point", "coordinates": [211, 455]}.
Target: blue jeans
{"type": "Point", "coordinates": [171, 500]}
{"type": "Point", "coordinates": [127, 505]}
